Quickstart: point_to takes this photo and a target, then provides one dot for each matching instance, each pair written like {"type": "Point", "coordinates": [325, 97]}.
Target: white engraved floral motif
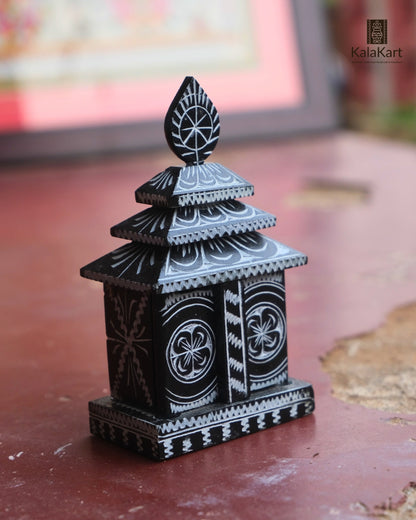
{"type": "Point", "coordinates": [190, 353]}
{"type": "Point", "coordinates": [192, 123]}
{"type": "Point", "coordinates": [266, 332]}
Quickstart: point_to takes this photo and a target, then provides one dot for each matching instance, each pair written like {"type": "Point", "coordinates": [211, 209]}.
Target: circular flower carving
{"type": "Point", "coordinates": [266, 332]}
{"type": "Point", "coordinates": [190, 352]}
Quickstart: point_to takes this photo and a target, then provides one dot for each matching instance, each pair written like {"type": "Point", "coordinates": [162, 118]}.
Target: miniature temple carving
{"type": "Point", "coordinates": [195, 305]}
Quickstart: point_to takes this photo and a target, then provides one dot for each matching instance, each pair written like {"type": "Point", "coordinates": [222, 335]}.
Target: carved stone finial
{"type": "Point", "coordinates": [192, 124]}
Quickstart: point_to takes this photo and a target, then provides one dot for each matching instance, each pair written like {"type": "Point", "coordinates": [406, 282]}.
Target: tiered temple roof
{"type": "Point", "coordinates": [196, 233]}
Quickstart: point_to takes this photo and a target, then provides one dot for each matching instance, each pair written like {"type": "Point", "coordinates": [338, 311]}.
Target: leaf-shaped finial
{"type": "Point", "coordinates": [192, 124]}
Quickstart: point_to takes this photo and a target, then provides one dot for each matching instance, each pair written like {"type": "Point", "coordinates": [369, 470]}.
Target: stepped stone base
{"type": "Point", "coordinates": [164, 438]}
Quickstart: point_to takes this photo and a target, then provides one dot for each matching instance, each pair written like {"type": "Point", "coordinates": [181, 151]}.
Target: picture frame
{"type": "Point", "coordinates": [286, 91]}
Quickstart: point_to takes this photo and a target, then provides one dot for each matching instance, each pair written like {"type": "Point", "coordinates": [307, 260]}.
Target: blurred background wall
{"type": "Point", "coordinates": [72, 64]}
{"type": "Point", "coordinates": [377, 97]}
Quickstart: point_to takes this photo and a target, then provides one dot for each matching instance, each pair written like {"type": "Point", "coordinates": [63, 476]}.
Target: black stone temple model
{"type": "Point", "coordinates": [195, 305]}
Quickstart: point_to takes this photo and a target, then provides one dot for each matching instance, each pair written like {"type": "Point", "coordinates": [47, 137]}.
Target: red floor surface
{"type": "Point", "coordinates": [56, 219]}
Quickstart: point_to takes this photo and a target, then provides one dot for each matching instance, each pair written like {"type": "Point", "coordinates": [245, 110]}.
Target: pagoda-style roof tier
{"type": "Point", "coordinates": [174, 226]}
{"type": "Point", "coordinates": [190, 266]}
{"type": "Point", "coordinates": [193, 185]}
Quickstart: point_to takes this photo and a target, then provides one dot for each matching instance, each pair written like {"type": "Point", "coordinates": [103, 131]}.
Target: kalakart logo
{"type": "Point", "coordinates": [377, 31]}
{"type": "Point", "coordinates": [378, 52]}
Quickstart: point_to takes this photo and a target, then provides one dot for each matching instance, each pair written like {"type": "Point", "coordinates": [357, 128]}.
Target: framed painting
{"type": "Point", "coordinates": [97, 77]}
